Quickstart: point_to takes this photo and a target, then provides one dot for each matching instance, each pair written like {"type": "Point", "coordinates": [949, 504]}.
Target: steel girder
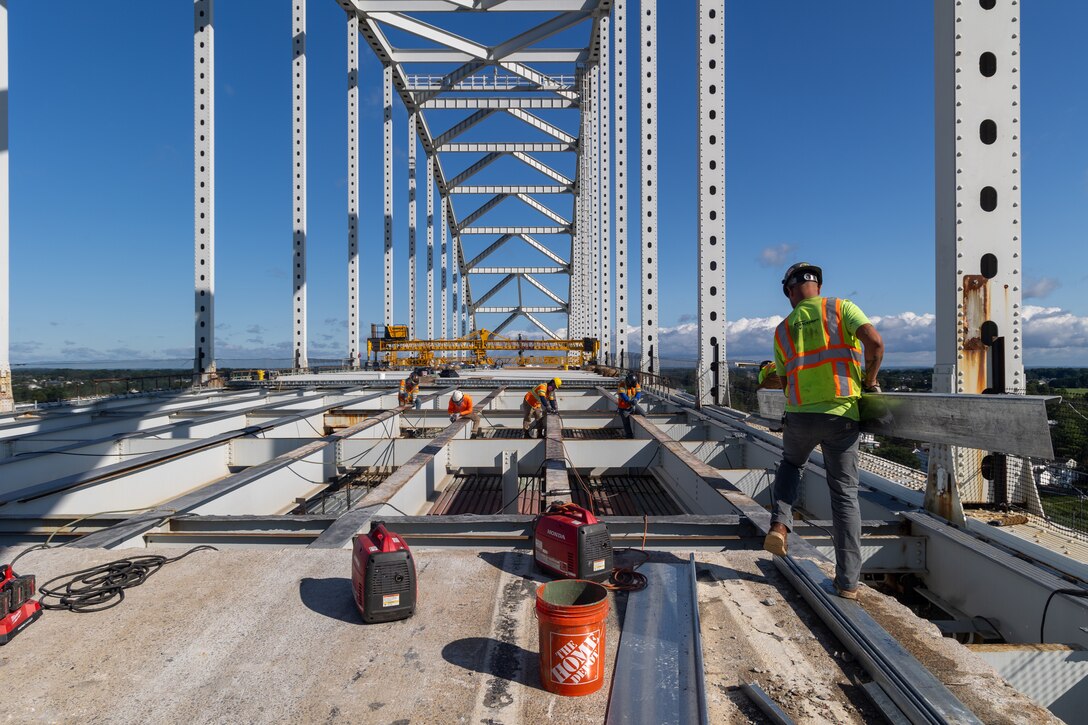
{"type": "Point", "coordinates": [512, 88]}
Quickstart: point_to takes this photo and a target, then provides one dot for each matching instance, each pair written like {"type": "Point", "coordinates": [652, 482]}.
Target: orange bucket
{"type": "Point", "coordinates": [571, 615]}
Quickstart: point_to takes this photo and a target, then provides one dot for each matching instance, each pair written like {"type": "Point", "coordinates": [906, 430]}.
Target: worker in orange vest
{"type": "Point", "coordinates": [408, 389]}
{"type": "Point", "coordinates": [536, 402]}
{"type": "Point", "coordinates": [628, 394]}
{"type": "Point", "coordinates": [461, 407]}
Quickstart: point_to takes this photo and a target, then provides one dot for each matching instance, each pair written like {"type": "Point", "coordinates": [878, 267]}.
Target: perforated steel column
{"type": "Point", "coordinates": [445, 272]}
{"type": "Point", "coordinates": [604, 101]}
{"type": "Point", "coordinates": [978, 264]}
{"type": "Point", "coordinates": [7, 399]}
{"type": "Point", "coordinates": [712, 382]}
{"type": "Point", "coordinates": [594, 204]}
{"type": "Point", "coordinates": [387, 186]}
{"type": "Point", "coordinates": [354, 339]}
{"type": "Point", "coordinates": [430, 247]}
{"type": "Point", "coordinates": [648, 75]}
{"type": "Point", "coordinates": [619, 10]}
{"type": "Point", "coordinates": [412, 226]}
{"type": "Point", "coordinates": [298, 138]}
{"type": "Point", "coordinates": [204, 189]}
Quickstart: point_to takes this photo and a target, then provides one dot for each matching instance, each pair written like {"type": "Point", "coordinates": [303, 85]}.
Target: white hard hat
{"type": "Point", "coordinates": [457, 395]}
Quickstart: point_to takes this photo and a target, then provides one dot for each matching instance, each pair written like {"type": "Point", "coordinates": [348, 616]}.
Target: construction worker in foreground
{"type": "Point", "coordinates": [408, 389]}
{"type": "Point", "coordinates": [461, 407]}
{"type": "Point", "coordinates": [816, 352]}
{"type": "Point", "coordinates": [628, 394]}
{"type": "Point", "coordinates": [537, 401]}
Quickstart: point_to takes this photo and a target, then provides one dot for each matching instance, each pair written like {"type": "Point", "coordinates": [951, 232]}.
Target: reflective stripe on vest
{"type": "Point", "coordinates": [832, 370]}
{"type": "Point", "coordinates": [630, 393]}
{"type": "Point", "coordinates": [536, 396]}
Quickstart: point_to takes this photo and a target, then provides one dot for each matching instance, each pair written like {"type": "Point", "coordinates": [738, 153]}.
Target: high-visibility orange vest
{"type": "Point", "coordinates": [823, 361]}
{"type": "Point", "coordinates": [536, 397]}
{"type": "Point", "coordinates": [464, 408]}
{"type": "Point", "coordinates": [630, 393]}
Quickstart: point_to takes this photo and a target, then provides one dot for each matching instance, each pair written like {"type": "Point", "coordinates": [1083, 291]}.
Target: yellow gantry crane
{"type": "Point", "coordinates": [399, 351]}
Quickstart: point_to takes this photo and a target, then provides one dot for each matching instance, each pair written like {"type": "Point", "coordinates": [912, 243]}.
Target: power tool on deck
{"type": "Point", "coordinates": [18, 608]}
{"type": "Point", "coordinates": [569, 541]}
{"type": "Point", "coordinates": [383, 576]}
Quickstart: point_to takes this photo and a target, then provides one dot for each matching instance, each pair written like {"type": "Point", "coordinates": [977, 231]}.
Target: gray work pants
{"type": "Point", "coordinates": [625, 418]}
{"type": "Point", "coordinates": [838, 440]}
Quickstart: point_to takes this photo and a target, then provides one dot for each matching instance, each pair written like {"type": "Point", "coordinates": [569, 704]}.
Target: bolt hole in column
{"type": "Point", "coordinates": [987, 132]}
{"type": "Point", "coordinates": [988, 266]}
{"type": "Point", "coordinates": [989, 333]}
{"type": "Point", "coordinates": [987, 64]}
{"type": "Point", "coordinates": [987, 198]}
{"type": "Point", "coordinates": [987, 4]}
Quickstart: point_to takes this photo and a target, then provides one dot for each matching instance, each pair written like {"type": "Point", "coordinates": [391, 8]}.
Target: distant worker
{"type": "Point", "coordinates": [628, 395]}
{"type": "Point", "coordinates": [461, 407]}
{"type": "Point", "coordinates": [409, 387]}
{"type": "Point", "coordinates": [816, 351]}
{"type": "Point", "coordinates": [537, 401]}
{"type": "Point", "coordinates": [768, 377]}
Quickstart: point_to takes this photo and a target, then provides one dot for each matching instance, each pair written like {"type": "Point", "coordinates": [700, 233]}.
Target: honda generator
{"type": "Point", "coordinates": [571, 542]}
{"type": "Point", "coordinates": [18, 608]}
{"type": "Point", "coordinates": [383, 576]}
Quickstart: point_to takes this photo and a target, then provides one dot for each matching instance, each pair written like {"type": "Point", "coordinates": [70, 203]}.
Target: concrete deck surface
{"type": "Point", "coordinates": [262, 636]}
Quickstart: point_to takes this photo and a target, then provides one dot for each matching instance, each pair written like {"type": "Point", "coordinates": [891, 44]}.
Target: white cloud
{"type": "Point", "coordinates": [776, 256]}
{"type": "Point", "coordinates": [1041, 287]}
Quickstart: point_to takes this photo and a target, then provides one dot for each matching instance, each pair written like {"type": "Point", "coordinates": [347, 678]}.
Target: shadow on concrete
{"type": "Point", "coordinates": [504, 661]}
{"type": "Point", "coordinates": [517, 563]}
{"type": "Point", "coordinates": [330, 597]}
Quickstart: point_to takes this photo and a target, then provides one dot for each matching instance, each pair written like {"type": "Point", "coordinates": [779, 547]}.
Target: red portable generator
{"type": "Point", "coordinates": [570, 542]}
{"type": "Point", "coordinates": [18, 608]}
{"type": "Point", "coordinates": [383, 576]}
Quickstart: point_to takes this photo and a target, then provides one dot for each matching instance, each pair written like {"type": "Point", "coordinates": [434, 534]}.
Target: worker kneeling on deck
{"type": "Point", "coordinates": [461, 407]}
{"type": "Point", "coordinates": [408, 389]}
{"type": "Point", "coordinates": [537, 401]}
{"type": "Point", "coordinates": [816, 351]}
{"type": "Point", "coordinates": [628, 395]}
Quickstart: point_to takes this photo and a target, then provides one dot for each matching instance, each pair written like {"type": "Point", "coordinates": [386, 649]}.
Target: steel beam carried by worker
{"type": "Point", "coordinates": [539, 400]}
{"type": "Point", "coordinates": [461, 407]}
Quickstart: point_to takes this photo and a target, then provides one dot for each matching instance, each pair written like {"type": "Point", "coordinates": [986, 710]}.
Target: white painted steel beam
{"type": "Point", "coordinates": [496, 102]}
{"type": "Point", "coordinates": [542, 81]}
{"type": "Point", "coordinates": [387, 188]}
{"type": "Point", "coordinates": [539, 325]}
{"type": "Point", "coordinates": [541, 167]}
{"type": "Point", "coordinates": [412, 143]}
{"type": "Point", "coordinates": [565, 189]}
{"type": "Point", "coordinates": [604, 103]}
{"type": "Point", "coordinates": [481, 210]}
{"type": "Point", "coordinates": [438, 6]}
{"type": "Point", "coordinates": [430, 32]}
{"type": "Point", "coordinates": [648, 107]}
{"type": "Point", "coordinates": [474, 169]}
{"type": "Point", "coordinates": [712, 373]}
{"type": "Point", "coordinates": [979, 268]}
{"type": "Point", "coordinates": [488, 252]}
{"type": "Point", "coordinates": [516, 230]}
{"type": "Point", "coordinates": [444, 270]}
{"type": "Point", "coordinates": [554, 216]}
{"type": "Point", "coordinates": [7, 398]}
{"type": "Point", "coordinates": [544, 250]}
{"type": "Point", "coordinates": [529, 55]}
{"type": "Point", "coordinates": [559, 309]}
{"type": "Point", "coordinates": [542, 125]}
{"type": "Point", "coordinates": [507, 147]}
{"type": "Point", "coordinates": [204, 188]}
{"type": "Point", "coordinates": [430, 247]}
{"type": "Point", "coordinates": [531, 37]}
{"type": "Point", "coordinates": [520, 270]}
{"type": "Point", "coordinates": [619, 14]}
{"type": "Point", "coordinates": [298, 155]}
{"type": "Point", "coordinates": [449, 81]}
{"type": "Point", "coordinates": [494, 290]}
{"type": "Point", "coordinates": [528, 277]}
{"type": "Point", "coordinates": [594, 266]}
{"type": "Point", "coordinates": [354, 336]}
{"type": "Point", "coordinates": [461, 126]}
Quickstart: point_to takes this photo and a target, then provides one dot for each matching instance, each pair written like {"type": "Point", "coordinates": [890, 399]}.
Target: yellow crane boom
{"type": "Point", "coordinates": [482, 343]}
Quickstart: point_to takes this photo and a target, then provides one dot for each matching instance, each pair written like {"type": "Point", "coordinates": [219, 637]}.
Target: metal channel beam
{"type": "Point", "coordinates": [603, 99]}
{"type": "Point", "coordinates": [430, 247]}
{"type": "Point", "coordinates": [204, 188]}
{"type": "Point", "coordinates": [426, 463]}
{"type": "Point", "coordinates": [619, 13]}
{"type": "Point", "coordinates": [648, 94]}
{"type": "Point", "coordinates": [412, 263]}
{"type": "Point", "coordinates": [298, 157]}
{"type": "Point", "coordinates": [387, 187]}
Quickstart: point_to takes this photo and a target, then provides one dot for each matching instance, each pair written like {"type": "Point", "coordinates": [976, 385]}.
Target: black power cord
{"type": "Point", "coordinates": [101, 587]}
{"type": "Point", "coordinates": [1068, 593]}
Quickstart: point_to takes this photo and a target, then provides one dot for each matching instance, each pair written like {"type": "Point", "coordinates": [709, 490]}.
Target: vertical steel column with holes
{"type": "Point", "coordinates": [204, 189]}
{"type": "Point", "coordinates": [619, 11]}
{"type": "Point", "coordinates": [648, 74]}
{"type": "Point", "coordinates": [387, 185]}
{"type": "Point", "coordinates": [604, 102]}
{"type": "Point", "coordinates": [354, 338]}
{"type": "Point", "coordinates": [7, 399]}
{"type": "Point", "coordinates": [298, 138]}
{"type": "Point", "coordinates": [594, 203]}
{"type": "Point", "coordinates": [712, 382]}
{"type": "Point", "coordinates": [412, 226]}
{"type": "Point", "coordinates": [430, 247]}
{"type": "Point", "coordinates": [445, 333]}
{"type": "Point", "coordinates": [978, 264]}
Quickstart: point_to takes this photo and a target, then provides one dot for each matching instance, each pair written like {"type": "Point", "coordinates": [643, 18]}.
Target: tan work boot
{"type": "Point", "coordinates": [775, 541]}
{"type": "Point", "coordinates": [851, 594]}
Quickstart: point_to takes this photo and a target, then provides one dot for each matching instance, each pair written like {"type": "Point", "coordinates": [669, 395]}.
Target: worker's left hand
{"type": "Point", "coordinates": [454, 417]}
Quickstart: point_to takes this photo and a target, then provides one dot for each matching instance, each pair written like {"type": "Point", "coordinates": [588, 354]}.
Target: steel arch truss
{"type": "Point", "coordinates": [436, 71]}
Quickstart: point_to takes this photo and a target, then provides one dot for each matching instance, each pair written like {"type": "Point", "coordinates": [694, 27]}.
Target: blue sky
{"type": "Point", "coordinates": [829, 158]}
